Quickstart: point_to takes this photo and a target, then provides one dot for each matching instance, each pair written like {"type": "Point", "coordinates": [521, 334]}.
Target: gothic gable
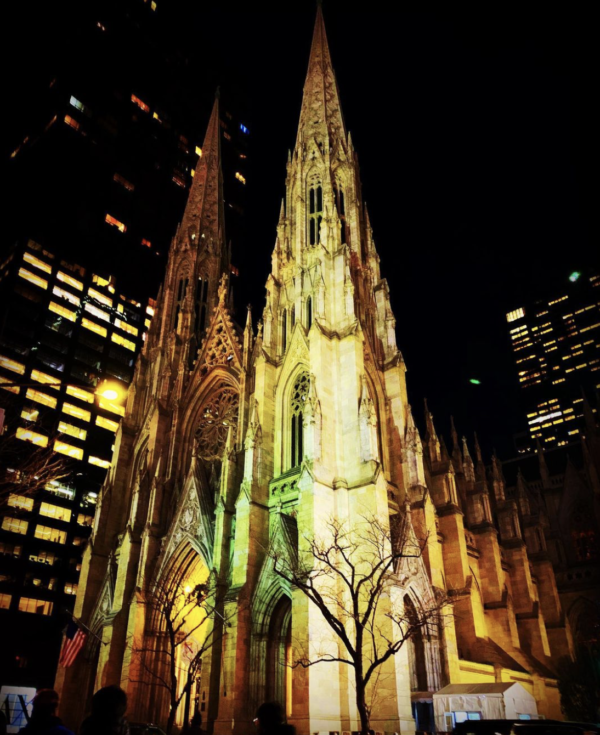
{"type": "Point", "coordinates": [221, 348]}
{"type": "Point", "coordinates": [192, 522]}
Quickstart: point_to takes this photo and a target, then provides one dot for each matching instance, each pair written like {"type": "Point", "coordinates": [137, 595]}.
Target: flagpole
{"type": "Point", "coordinates": [84, 626]}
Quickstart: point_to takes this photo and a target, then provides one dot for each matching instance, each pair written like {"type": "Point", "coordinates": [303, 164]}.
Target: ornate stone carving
{"type": "Point", "coordinates": [218, 414]}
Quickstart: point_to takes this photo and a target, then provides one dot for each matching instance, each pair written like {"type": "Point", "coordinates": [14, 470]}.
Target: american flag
{"type": "Point", "coordinates": [74, 641]}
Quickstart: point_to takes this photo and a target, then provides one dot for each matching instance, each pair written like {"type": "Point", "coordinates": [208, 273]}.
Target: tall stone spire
{"type": "Point", "coordinates": [203, 220]}
{"type": "Point", "coordinates": [198, 257]}
{"type": "Point", "coordinates": [321, 116]}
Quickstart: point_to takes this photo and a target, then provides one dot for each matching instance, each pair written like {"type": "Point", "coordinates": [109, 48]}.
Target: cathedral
{"type": "Point", "coordinates": [235, 438]}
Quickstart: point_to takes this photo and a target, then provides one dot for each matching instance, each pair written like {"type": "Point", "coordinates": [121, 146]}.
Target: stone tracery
{"type": "Point", "coordinates": [219, 413]}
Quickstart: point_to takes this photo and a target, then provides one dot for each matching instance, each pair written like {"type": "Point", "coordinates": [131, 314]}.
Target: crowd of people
{"type": "Point", "coordinates": [109, 706]}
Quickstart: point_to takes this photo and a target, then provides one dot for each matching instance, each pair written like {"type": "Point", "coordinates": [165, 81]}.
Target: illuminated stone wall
{"type": "Point", "coordinates": [235, 440]}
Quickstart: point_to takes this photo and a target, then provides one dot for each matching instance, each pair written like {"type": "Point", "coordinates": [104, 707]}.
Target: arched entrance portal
{"type": "Point", "coordinates": [279, 656]}
{"type": "Point", "coordinates": [423, 658]}
{"type": "Point", "coordinates": [178, 638]}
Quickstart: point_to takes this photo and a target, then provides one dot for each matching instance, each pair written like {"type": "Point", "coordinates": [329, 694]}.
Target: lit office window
{"type": "Point", "coordinates": [69, 280]}
{"type": "Point", "coordinates": [32, 278]}
{"type": "Point", "coordinates": [83, 395]}
{"type": "Point", "coordinates": [93, 327]}
{"type": "Point", "coordinates": [38, 607]}
{"type": "Point", "coordinates": [150, 311]}
{"type": "Point", "coordinates": [20, 502]}
{"type": "Point", "coordinates": [5, 385]}
{"type": "Point", "coordinates": [239, 177]}
{"type": "Point", "coordinates": [110, 406]}
{"type": "Point", "coordinates": [129, 328]}
{"type": "Point", "coordinates": [46, 379]}
{"type": "Point", "coordinates": [71, 298]}
{"type": "Point", "coordinates": [142, 105]}
{"type": "Point", "coordinates": [30, 414]}
{"type": "Point", "coordinates": [123, 181]}
{"type": "Point", "coordinates": [50, 534]}
{"type": "Point", "coordinates": [70, 451]}
{"type": "Point", "coordinates": [43, 557]}
{"type": "Point", "coordinates": [66, 313]}
{"type": "Point", "coordinates": [106, 423]}
{"type": "Point", "coordinates": [9, 364]}
{"type": "Point", "coordinates": [99, 462]}
{"type": "Point", "coordinates": [86, 521]}
{"type": "Point", "coordinates": [106, 300]}
{"type": "Point", "coordinates": [80, 106]}
{"type": "Point", "coordinates": [100, 281]}
{"type": "Point", "coordinates": [512, 316]}
{"type": "Point", "coordinates": [7, 549]}
{"type": "Point", "coordinates": [71, 588]}
{"type": "Point", "coordinates": [98, 313]}
{"type": "Point", "coordinates": [39, 397]}
{"type": "Point", "coordinates": [5, 601]}
{"type": "Point", "coordinates": [15, 525]}
{"type": "Point", "coordinates": [72, 123]}
{"type": "Point", "coordinates": [78, 541]}
{"type": "Point", "coordinates": [37, 263]}
{"type": "Point", "coordinates": [122, 341]}
{"type": "Point", "coordinates": [56, 512]}
{"type": "Point", "coordinates": [27, 435]}
{"type": "Point", "coordinates": [76, 412]}
{"type": "Point", "coordinates": [61, 491]}
{"type": "Point", "coordinates": [70, 430]}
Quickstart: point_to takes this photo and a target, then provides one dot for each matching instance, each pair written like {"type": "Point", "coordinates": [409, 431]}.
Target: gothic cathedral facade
{"type": "Point", "coordinates": [234, 439]}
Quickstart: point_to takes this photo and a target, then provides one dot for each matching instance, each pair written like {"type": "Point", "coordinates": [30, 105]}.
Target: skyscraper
{"type": "Point", "coordinates": [69, 338]}
{"type": "Point", "coordinates": [556, 344]}
{"type": "Point", "coordinates": [239, 442]}
{"type": "Point", "coordinates": [108, 150]}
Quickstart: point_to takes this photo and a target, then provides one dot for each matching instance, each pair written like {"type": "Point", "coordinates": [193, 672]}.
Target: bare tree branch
{"type": "Point", "coordinates": [347, 574]}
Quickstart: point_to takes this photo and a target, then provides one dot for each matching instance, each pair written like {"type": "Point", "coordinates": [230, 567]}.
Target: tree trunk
{"type": "Point", "coordinates": [172, 715]}
{"type": "Point", "coordinates": [361, 704]}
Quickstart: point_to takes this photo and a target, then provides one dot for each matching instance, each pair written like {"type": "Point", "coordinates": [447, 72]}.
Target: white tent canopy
{"type": "Point", "coordinates": [504, 701]}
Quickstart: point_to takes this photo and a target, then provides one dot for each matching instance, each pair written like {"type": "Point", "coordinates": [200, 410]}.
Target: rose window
{"type": "Point", "coordinates": [218, 414]}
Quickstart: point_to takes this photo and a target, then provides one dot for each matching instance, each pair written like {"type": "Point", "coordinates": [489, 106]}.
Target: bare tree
{"type": "Point", "coordinates": [25, 468]}
{"type": "Point", "coordinates": [186, 623]}
{"type": "Point", "coordinates": [354, 578]}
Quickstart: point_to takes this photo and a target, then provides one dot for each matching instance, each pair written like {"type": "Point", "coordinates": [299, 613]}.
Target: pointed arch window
{"type": "Point", "coordinates": [309, 313]}
{"type": "Point", "coordinates": [299, 397]}
{"type": "Point", "coordinates": [181, 293]}
{"type": "Point", "coordinates": [340, 201]}
{"type": "Point", "coordinates": [284, 332]}
{"type": "Point", "coordinates": [200, 307]}
{"type": "Point", "coordinates": [315, 211]}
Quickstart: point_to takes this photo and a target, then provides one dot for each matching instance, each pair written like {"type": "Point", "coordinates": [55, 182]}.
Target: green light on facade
{"type": "Point", "coordinates": [575, 276]}
{"type": "Point", "coordinates": [475, 382]}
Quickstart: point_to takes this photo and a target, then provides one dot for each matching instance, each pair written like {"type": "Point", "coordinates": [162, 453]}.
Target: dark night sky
{"type": "Point", "coordinates": [475, 131]}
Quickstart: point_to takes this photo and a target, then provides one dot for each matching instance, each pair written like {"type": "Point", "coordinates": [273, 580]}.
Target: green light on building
{"type": "Point", "coordinates": [575, 276]}
{"type": "Point", "coordinates": [473, 381]}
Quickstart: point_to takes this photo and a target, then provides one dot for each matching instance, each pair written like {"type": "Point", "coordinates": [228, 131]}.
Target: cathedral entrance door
{"type": "Point", "coordinates": [279, 656]}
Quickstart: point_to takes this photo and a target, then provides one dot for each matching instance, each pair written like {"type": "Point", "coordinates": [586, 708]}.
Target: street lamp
{"type": "Point", "coordinates": [110, 390]}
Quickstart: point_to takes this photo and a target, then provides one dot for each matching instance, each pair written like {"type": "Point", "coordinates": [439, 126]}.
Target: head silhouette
{"type": "Point", "coordinates": [270, 715]}
{"type": "Point", "coordinates": [109, 703]}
